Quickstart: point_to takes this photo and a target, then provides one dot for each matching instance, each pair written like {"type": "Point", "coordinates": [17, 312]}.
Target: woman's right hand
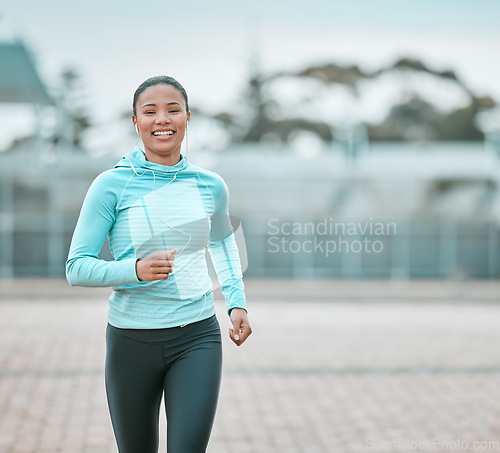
{"type": "Point", "coordinates": [155, 266]}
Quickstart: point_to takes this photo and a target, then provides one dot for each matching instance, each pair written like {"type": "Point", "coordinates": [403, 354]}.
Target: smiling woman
{"type": "Point", "coordinates": [160, 214]}
{"type": "Point", "coordinates": [161, 117]}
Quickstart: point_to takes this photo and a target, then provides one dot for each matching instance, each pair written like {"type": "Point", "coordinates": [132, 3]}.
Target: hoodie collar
{"type": "Point", "coordinates": [137, 159]}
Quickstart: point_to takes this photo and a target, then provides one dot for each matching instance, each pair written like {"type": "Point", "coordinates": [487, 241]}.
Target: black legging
{"type": "Point", "coordinates": [185, 364]}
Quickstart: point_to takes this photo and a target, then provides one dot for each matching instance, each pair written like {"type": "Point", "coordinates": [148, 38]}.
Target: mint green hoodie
{"type": "Point", "coordinates": [143, 207]}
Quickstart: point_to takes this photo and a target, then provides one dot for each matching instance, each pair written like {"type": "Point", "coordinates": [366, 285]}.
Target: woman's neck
{"type": "Point", "coordinates": [168, 160]}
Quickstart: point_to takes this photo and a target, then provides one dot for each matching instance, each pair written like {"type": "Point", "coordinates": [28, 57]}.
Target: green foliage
{"type": "Point", "coordinates": [412, 120]}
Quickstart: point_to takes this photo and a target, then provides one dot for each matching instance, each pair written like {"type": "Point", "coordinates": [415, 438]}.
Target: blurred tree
{"type": "Point", "coordinates": [418, 66]}
{"type": "Point", "coordinates": [333, 73]}
{"type": "Point", "coordinates": [460, 124]}
{"type": "Point", "coordinates": [412, 119]}
{"type": "Point", "coordinates": [263, 123]}
{"type": "Point", "coordinates": [418, 120]}
{"type": "Point", "coordinates": [73, 118]}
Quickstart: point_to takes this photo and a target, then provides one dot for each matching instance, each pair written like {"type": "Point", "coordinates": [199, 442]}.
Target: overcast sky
{"type": "Point", "coordinates": [207, 44]}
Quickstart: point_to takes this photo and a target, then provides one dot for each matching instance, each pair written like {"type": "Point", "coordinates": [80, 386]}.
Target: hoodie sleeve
{"type": "Point", "coordinates": [97, 217]}
{"type": "Point", "coordinates": [224, 251]}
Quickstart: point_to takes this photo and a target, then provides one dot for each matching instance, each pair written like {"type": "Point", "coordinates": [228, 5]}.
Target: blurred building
{"type": "Point", "coordinates": [347, 209]}
{"type": "Point", "coordinates": [19, 80]}
{"type": "Point", "coordinates": [399, 210]}
{"type": "Point", "coordinates": [396, 210]}
{"type": "Point", "coordinates": [23, 94]}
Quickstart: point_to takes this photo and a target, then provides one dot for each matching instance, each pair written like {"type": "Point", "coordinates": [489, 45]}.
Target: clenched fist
{"type": "Point", "coordinates": [155, 266]}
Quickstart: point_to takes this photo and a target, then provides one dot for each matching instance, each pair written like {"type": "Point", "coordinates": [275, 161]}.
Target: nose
{"type": "Point", "coordinates": [162, 119]}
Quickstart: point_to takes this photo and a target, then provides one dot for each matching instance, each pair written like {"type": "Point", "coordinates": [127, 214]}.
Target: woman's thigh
{"type": "Point", "coordinates": [192, 386]}
{"type": "Point", "coordinates": [134, 386]}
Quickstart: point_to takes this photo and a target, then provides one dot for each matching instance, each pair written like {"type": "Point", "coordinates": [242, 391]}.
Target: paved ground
{"type": "Point", "coordinates": [350, 366]}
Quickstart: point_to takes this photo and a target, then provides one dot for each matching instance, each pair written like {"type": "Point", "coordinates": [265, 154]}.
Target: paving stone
{"type": "Point", "coordinates": [332, 367]}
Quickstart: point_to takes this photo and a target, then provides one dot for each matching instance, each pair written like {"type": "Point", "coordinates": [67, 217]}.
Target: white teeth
{"type": "Point", "coordinates": [163, 133]}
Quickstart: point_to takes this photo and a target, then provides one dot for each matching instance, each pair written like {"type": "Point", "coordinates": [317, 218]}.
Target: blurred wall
{"type": "Point", "coordinates": [396, 210]}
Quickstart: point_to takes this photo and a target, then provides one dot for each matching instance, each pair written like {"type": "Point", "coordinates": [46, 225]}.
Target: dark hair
{"type": "Point", "coordinates": [159, 80]}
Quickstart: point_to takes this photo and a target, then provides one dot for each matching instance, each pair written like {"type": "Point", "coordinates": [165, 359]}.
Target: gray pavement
{"type": "Point", "coordinates": [332, 366]}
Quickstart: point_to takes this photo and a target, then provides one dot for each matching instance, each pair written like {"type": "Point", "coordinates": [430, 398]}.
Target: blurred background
{"type": "Point", "coordinates": [358, 140]}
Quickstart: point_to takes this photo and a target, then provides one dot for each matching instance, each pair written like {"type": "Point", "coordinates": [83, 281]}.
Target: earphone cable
{"type": "Point", "coordinates": [153, 199]}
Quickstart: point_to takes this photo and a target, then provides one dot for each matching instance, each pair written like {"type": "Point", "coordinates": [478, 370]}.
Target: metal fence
{"type": "Point", "coordinates": [39, 206]}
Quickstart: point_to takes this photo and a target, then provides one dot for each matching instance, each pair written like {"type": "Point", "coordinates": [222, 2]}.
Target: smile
{"type": "Point", "coordinates": [163, 133]}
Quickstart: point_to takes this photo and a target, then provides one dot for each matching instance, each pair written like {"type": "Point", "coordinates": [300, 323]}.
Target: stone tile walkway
{"type": "Point", "coordinates": [332, 367]}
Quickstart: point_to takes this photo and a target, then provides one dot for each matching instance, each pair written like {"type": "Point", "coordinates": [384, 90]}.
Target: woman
{"type": "Point", "coordinates": [160, 213]}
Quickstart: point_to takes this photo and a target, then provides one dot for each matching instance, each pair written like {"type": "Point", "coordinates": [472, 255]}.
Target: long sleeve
{"type": "Point", "coordinates": [97, 216]}
{"type": "Point", "coordinates": [224, 253]}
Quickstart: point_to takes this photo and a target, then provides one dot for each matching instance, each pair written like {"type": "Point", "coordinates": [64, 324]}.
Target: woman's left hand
{"type": "Point", "coordinates": [241, 326]}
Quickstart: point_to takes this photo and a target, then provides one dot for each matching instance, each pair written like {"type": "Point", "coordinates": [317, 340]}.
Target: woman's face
{"type": "Point", "coordinates": [161, 120]}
